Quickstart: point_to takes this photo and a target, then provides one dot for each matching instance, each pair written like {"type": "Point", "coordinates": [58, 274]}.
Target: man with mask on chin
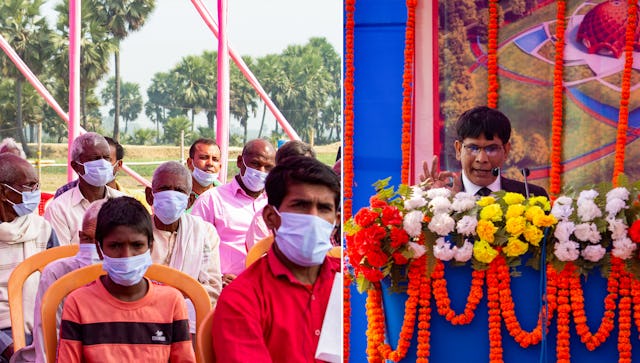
{"type": "Point", "coordinates": [231, 207]}
{"type": "Point", "coordinates": [90, 155]}
{"type": "Point", "coordinates": [204, 163]}
{"type": "Point", "coordinates": [274, 311]}
{"type": "Point", "coordinates": [181, 240]}
{"type": "Point", "coordinates": [22, 235]}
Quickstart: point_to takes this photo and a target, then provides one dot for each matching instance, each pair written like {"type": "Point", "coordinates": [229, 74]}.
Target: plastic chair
{"type": "Point", "coordinates": [260, 248]}
{"type": "Point", "coordinates": [17, 279]}
{"type": "Point", "coordinates": [204, 340]}
{"type": "Point", "coordinates": [78, 278]}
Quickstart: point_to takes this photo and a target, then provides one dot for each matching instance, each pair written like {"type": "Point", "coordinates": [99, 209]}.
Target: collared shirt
{"type": "Point", "coordinates": [472, 189]}
{"type": "Point", "coordinates": [267, 315]}
{"type": "Point", "coordinates": [257, 231]}
{"type": "Point", "coordinates": [230, 210]}
{"type": "Point", "coordinates": [65, 213]}
{"type": "Point", "coordinates": [136, 194]}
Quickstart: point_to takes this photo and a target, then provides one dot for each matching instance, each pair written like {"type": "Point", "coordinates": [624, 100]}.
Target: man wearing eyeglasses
{"type": "Point", "coordinates": [482, 146]}
{"type": "Point", "coordinates": [22, 234]}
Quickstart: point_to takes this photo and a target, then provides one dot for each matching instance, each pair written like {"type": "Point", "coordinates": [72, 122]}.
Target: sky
{"type": "Point", "coordinates": [255, 28]}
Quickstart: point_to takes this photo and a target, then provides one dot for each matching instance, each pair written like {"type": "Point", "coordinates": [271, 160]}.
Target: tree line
{"type": "Point", "coordinates": [303, 80]}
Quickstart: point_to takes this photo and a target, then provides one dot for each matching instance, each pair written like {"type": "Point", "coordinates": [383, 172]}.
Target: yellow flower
{"type": "Point", "coordinates": [483, 252]}
{"type": "Point", "coordinates": [515, 210]}
{"type": "Point", "coordinates": [513, 198]}
{"type": "Point", "coordinates": [545, 220]}
{"type": "Point", "coordinates": [486, 230]}
{"type": "Point", "coordinates": [516, 225]}
{"type": "Point", "coordinates": [492, 212]}
{"type": "Point", "coordinates": [485, 201]}
{"type": "Point", "coordinates": [515, 247]}
{"type": "Point", "coordinates": [533, 212]}
{"type": "Point", "coordinates": [533, 234]}
{"type": "Point", "coordinates": [541, 201]}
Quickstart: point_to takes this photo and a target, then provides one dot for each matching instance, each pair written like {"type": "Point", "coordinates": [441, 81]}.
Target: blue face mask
{"type": "Point", "coordinates": [203, 178]}
{"type": "Point", "coordinates": [30, 201]}
{"type": "Point", "coordinates": [304, 239]}
{"type": "Point", "coordinates": [253, 179]}
{"type": "Point", "coordinates": [127, 271]}
{"type": "Point", "coordinates": [169, 205]}
{"type": "Point", "coordinates": [97, 172]}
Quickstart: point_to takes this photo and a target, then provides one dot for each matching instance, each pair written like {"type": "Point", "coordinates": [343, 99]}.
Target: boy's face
{"type": "Point", "coordinates": [123, 241]}
{"type": "Point", "coordinates": [478, 156]}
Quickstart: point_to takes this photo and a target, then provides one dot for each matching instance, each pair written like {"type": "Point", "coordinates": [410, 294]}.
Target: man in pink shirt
{"type": "Point", "coordinates": [231, 207]}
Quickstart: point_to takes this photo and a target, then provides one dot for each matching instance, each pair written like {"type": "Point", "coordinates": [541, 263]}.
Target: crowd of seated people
{"type": "Point", "coordinates": [188, 220]}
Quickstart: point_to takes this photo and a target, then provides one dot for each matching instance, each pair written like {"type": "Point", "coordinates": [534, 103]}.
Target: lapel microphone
{"type": "Point", "coordinates": [525, 172]}
{"type": "Point", "coordinates": [495, 171]}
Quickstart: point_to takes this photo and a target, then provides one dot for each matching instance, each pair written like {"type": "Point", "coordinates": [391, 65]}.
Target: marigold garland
{"type": "Point", "coordinates": [557, 123]}
{"type": "Point", "coordinates": [375, 324]}
{"type": "Point", "coordinates": [563, 347]}
{"type": "Point", "coordinates": [623, 115]}
{"type": "Point", "coordinates": [594, 340]}
{"type": "Point", "coordinates": [346, 315]}
{"type": "Point", "coordinates": [441, 295]}
{"type": "Point", "coordinates": [407, 88]}
{"type": "Point", "coordinates": [424, 321]}
{"type": "Point", "coordinates": [492, 55]}
{"type": "Point", "coordinates": [493, 302]}
{"type": "Point", "coordinates": [624, 320]}
{"type": "Point", "coordinates": [635, 298]}
{"type": "Point", "coordinates": [347, 165]}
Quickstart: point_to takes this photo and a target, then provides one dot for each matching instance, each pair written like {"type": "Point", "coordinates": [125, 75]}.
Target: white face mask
{"type": "Point", "coordinates": [304, 239]}
{"type": "Point", "coordinates": [253, 179]}
{"type": "Point", "coordinates": [97, 172]}
{"type": "Point", "coordinates": [127, 271]}
{"type": "Point", "coordinates": [203, 178]}
{"type": "Point", "coordinates": [169, 205]}
{"type": "Point", "coordinates": [30, 201]}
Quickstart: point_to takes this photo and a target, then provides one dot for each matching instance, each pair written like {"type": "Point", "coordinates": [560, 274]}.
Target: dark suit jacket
{"type": "Point", "coordinates": [514, 186]}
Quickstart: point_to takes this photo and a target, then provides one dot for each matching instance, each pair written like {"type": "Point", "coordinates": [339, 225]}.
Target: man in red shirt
{"type": "Point", "coordinates": [274, 310]}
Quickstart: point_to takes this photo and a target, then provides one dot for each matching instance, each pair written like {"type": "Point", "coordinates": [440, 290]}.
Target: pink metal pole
{"type": "Point", "coordinates": [208, 19]}
{"type": "Point", "coordinates": [222, 133]}
{"type": "Point", "coordinates": [74, 79]}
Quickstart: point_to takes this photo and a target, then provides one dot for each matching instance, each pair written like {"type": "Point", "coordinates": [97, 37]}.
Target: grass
{"type": "Point", "coordinates": [52, 177]}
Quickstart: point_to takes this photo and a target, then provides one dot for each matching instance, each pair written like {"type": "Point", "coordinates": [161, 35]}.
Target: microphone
{"type": "Point", "coordinates": [495, 171]}
{"type": "Point", "coordinates": [525, 172]}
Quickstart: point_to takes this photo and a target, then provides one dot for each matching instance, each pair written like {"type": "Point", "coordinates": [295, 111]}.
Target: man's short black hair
{"type": "Point", "coordinates": [300, 170]}
{"type": "Point", "coordinates": [294, 148]}
{"type": "Point", "coordinates": [123, 211]}
{"type": "Point", "coordinates": [119, 148]}
{"type": "Point", "coordinates": [483, 120]}
{"type": "Point", "coordinates": [202, 140]}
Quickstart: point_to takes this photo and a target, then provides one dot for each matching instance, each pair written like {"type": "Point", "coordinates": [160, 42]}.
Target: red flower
{"type": "Point", "coordinates": [391, 216]}
{"type": "Point", "coordinates": [372, 274]}
{"type": "Point", "coordinates": [376, 257]}
{"type": "Point", "coordinates": [399, 259]}
{"type": "Point", "coordinates": [398, 237]}
{"type": "Point", "coordinates": [365, 217]}
{"type": "Point", "coordinates": [376, 202]}
{"type": "Point", "coordinates": [634, 231]}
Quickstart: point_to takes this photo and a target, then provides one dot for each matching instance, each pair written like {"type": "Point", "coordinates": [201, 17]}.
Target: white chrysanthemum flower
{"type": "Point", "coordinates": [440, 205]}
{"type": "Point", "coordinates": [593, 253]}
{"type": "Point", "coordinates": [412, 223]}
{"type": "Point", "coordinates": [438, 192]}
{"type": "Point", "coordinates": [562, 208]}
{"type": "Point", "coordinates": [442, 224]}
{"type": "Point", "coordinates": [588, 210]}
{"type": "Point", "coordinates": [587, 232]}
{"type": "Point", "coordinates": [587, 195]}
{"type": "Point", "coordinates": [623, 248]}
{"type": "Point", "coordinates": [617, 228]}
{"type": "Point", "coordinates": [567, 251]}
{"type": "Point", "coordinates": [416, 200]}
{"type": "Point", "coordinates": [563, 230]}
{"type": "Point", "coordinates": [464, 253]}
{"type": "Point", "coordinates": [442, 250]}
{"type": "Point", "coordinates": [417, 249]}
{"type": "Point", "coordinates": [614, 206]}
{"type": "Point", "coordinates": [467, 226]}
{"type": "Point", "coordinates": [618, 193]}
{"type": "Point", "coordinates": [463, 202]}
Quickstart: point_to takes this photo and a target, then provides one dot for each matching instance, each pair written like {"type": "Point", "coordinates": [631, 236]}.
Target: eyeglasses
{"type": "Point", "coordinates": [24, 188]}
{"type": "Point", "coordinates": [490, 150]}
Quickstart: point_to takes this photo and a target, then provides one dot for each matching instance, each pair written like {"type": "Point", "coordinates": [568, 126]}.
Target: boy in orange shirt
{"type": "Point", "coordinates": [122, 316]}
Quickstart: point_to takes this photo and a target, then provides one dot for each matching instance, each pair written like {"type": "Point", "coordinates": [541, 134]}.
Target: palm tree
{"type": "Point", "coordinates": [242, 97]}
{"type": "Point", "coordinates": [192, 90]}
{"type": "Point", "coordinates": [268, 71]}
{"type": "Point", "coordinates": [122, 17]}
{"type": "Point", "coordinates": [160, 98]}
{"type": "Point", "coordinates": [29, 35]}
{"type": "Point", "coordinates": [130, 100]}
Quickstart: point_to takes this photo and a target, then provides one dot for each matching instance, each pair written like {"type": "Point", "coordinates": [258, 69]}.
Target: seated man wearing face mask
{"type": "Point", "coordinates": [231, 207]}
{"type": "Point", "coordinates": [274, 311]}
{"type": "Point", "coordinates": [86, 255]}
{"type": "Point", "coordinates": [22, 235]}
{"type": "Point", "coordinates": [204, 163]}
{"type": "Point", "coordinates": [183, 241]}
{"type": "Point", "coordinates": [90, 155]}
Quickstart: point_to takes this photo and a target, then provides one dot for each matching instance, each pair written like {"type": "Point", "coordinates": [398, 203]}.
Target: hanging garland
{"type": "Point", "coordinates": [441, 295]}
{"type": "Point", "coordinates": [493, 302]}
{"type": "Point", "coordinates": [407, 89]}
{"type": "Point", "coordinates": [558, 98]}
{"type": "Point", "coordinates": [563, 346]}
{"type": "Point", "coordinates": [623, 115]}
{"type": "Point", "coordinates": [492, 55]}
{"type": "Point", "coordinates": [424, 320]}
{"type": "Point", "coordinates": [624, 320]}
{"type": "Point", "coordinates": [346, 315]}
